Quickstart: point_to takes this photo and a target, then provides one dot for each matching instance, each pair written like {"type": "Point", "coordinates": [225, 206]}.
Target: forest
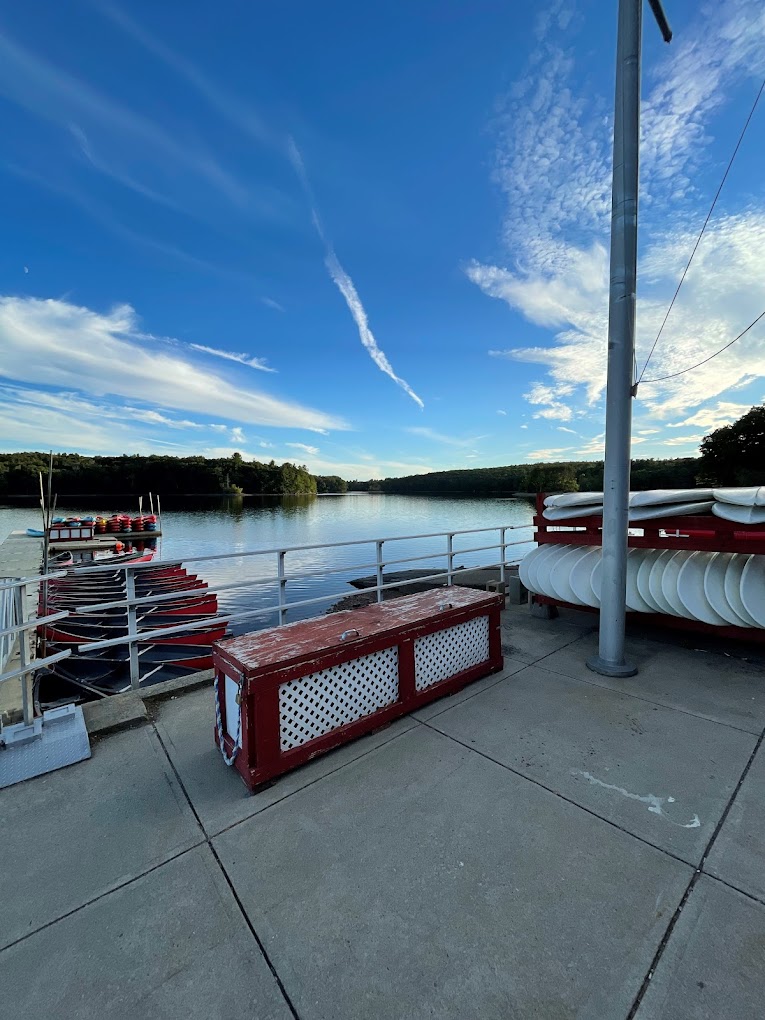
{"type": "Point", "coordinates": [731, 455]}
{"type": "Point", "coordinates": [569, 476]}
{"type": "Point", "coordinates": [78, 475]}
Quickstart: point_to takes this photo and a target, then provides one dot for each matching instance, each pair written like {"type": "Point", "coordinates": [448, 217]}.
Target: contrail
{"type": "Point", "coordinates": [344, 283]}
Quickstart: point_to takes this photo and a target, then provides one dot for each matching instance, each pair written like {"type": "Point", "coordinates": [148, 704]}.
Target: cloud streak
{"type": "Point", "coordinates": [54, 95]}
{"type": "Point", "coordinates": [439, 437]}
{"type": "Point", "coordinates": [55, 343]}
{"type": "Point", "coordinates": [345, 284]}
{"type": "Point", "coordinates": [241, 359]}
{"type": "Point", "coordinates": [225, 103]}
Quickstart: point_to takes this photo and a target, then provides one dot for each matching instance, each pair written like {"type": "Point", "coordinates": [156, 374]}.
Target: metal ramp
{"type": "Point", "coordinates": [56, 739]}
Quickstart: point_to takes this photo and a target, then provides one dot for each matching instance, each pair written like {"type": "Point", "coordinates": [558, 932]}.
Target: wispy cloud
{"type": "Point", "coordinates": [553, 166]}
{"type": "Point", "coordinates": [502, 412]}
{"type": "Point", "coordinates": [551, 407]}
{"type": "Point", "coordinates": [723, 413]}
{"type": "Point", "coordinates": [127, 140]}
{"type": "Point", "coordinates": [242, 115]}
{"type": "Point", "coordinates": [594, 447]}
{"type": "Point", "coordinates": [34, 418]}
{"type": "Point", "coordinates": [270, 303]}
{"type": "Point", "coordinates": [242, 359]}
{"type": "Point", "coordinates": [58, 344]}
{"type": "Point", "coordinates": [103, 215]}
{"type": "Point", "coordinates": [683, 441]}
{"type": "Point", "coordinates": [562, 428]}
{"type": "Point", "coordinates": [345, 284]}
{"type": "Point", "coordinates": [439, 437]}
{"type": "Point", "coordinates": [304, 447]}
{"type": "Point", "coordinates": [549, 453]}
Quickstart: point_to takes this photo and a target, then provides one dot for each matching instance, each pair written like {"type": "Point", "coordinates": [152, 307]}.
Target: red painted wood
{"type": "Point", "coordinates": [269, 659]}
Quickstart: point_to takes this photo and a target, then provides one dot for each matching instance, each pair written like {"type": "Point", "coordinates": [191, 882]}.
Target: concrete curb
{"type": "Point", "coordinates": [120, 712]}
{"type": "Point", "coordinates": [124, 711]}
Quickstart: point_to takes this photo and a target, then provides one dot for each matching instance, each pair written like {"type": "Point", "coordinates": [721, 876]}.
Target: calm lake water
{"type": "Point", "coordinates": [206, 526]}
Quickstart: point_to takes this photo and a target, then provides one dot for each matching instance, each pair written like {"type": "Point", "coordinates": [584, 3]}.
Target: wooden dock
{"type": "Point", "coordinates": [103, 541]}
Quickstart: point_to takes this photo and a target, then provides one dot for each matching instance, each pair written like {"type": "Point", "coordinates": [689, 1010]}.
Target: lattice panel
{"type": "Point", "coordinates": [447, 652]}
{"type": "Point", "coordinates": [333, 697]}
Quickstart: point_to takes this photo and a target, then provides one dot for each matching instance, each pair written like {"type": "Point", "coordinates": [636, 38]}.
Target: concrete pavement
{"type": "Point", "coordinates": [527, 848]}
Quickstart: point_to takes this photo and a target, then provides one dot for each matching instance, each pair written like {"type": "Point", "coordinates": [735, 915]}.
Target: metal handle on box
{"type": "Point", "coordinates": [445, 605]}
{"type": "Point", "coordinates": [347, 633]}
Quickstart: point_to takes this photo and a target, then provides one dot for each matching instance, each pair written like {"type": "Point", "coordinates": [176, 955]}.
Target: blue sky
{"type": "Point", "coordinates": [372, 240]}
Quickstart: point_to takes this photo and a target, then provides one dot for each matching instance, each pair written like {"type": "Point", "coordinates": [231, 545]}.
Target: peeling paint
{"type": "Point", "coordinates": [655, 804]}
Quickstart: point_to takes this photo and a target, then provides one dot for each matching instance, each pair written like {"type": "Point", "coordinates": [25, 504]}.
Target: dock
{"type": "Point", "coordinates": [547, 843]}
{"type": "Point", "coordinates": [107, 541]}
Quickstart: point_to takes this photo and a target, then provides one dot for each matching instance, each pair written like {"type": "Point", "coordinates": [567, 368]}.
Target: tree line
{"type": "Point", "coordinates": [731, 455]}
{"type": "Point", "coordinates": [565, 476]}
{"type": "Point", "coordinates": [77, 475]}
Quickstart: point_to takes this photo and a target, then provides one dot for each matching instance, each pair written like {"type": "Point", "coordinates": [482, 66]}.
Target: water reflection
{"type": "Point", "coordinates": [232, 524]}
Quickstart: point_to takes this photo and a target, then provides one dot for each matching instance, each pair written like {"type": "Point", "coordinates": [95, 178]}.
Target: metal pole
{"type": "Point", "coordinates": [20, 595]}
{"type": "Point", "coordinates": [379, 579]}
{"type": "Point", "coordinates": [610, 660]}
{"type": "Point", "coordinates": [281, 574]}
{"type": "Point", "coordinates": [135, 675]}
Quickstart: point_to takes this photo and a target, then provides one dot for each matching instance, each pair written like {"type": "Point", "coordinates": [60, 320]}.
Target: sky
{"type": "Point", "coordinates": [372, 239]}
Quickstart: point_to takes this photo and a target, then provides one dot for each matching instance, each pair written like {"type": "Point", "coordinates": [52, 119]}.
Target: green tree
{"type": "Point", "coordinates": [735, 454]}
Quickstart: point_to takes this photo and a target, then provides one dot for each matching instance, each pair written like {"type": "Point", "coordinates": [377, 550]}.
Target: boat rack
{"type": "Point", "coordinates": [704, 533]}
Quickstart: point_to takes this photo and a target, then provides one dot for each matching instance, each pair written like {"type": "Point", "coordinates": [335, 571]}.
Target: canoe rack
{"type": "Point", "coordinates": [704, 533]}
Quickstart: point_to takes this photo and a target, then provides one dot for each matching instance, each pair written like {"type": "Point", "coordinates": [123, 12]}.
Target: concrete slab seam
{"type": "Point", "coordinates": [567, 800]}
{"type": "Point", "coordinates": [450, 703]}
{"type": "Point", "coordinates": [313, 782]}
{"type": "Point", "coordinates": [258, 941]}
{"type": "Point", "coordinates": [638, 697]}
{"type": "Point", "coordinates": [760, 901]}
{"type": "Point", "coordinates": [103, 895]}
{"type": "Point", "coordinates": [691, 885]}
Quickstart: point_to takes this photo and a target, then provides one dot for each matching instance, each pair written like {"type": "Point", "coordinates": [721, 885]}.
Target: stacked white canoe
{"type": "Point", "coordinates": [742, 505]}
{"type": "Point", "coordinates": [746, 506]}
{"type": "Point", "coordinates": [644, 506]}
{"type": "Point", "coordinates": [717, 588]}
{"type": "Point", "coordinates": [722, 589]}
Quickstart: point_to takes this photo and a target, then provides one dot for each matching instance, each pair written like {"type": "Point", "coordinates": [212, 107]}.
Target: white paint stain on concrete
{"type": "Point", "coordinates": [655, 804]}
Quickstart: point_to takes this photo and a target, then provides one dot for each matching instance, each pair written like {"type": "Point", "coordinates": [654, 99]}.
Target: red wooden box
{"type": "Point", "coordinates": [294, 692]}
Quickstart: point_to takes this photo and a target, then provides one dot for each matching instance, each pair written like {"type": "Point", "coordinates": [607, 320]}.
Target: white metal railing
{"type": "Point", "coordinates": [9, 617]}
{"type": "Point", "coordinates": [127, 574]}
{"type": "Point", "coordinates": [16, 622]}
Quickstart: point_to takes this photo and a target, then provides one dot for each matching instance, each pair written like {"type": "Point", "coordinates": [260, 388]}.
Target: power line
{"type": "Point", "coordinates": [674, 375]}
{"type": "Point", "coordinates": [704, 227]}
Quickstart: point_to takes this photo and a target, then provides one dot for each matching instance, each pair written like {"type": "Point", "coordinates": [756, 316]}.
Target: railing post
{"type": "Point", "coordinates": [502, 551]}
{"type": "Point", "coordinates": [132, 628]}
{"type": "Point", "coordinates": [450, 558]}
{"type": "Point", "coordinates": [19, 594]}
{"type": "Point", "coordinates": [281, 573]}
{"type": "Point", "coordinates": [380, 567]}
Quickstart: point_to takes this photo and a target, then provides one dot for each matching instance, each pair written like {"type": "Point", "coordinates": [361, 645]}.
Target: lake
{"type": "Point", "coordinates": [207, 526]}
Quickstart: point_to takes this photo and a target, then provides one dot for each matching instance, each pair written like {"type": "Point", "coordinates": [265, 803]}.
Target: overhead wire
{"type": "Point", "coordinates": [674, 375]}
{"type": "Point", "coordinates": [698, 240]}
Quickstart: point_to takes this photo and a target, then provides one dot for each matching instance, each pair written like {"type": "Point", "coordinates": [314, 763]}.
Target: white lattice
{"type": "Point", "coordinates": [447, 652]}
{"type": "Point", "coordinates": [323, 701]}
